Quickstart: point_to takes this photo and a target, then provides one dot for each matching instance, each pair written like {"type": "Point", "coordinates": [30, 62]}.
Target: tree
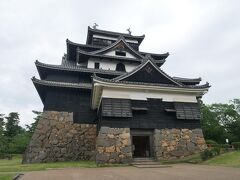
{"type": "Point", "coordinates": [31, 128]}
{"type": "Point", "coordinates": [3, 141]}
{"type": "Point", "coordinates": [1, 124]}
{"type": "Point", "coordinates": [221, 121]}
{"type": "Point", "coordinates": [11, 127]}
{"type": "Point", "coordinates": [226, 114]}
{"type": "Point", "coordinates": [210, 125]}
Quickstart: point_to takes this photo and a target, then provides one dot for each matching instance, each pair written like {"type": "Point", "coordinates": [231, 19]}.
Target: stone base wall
{"type": "Point", "coordinates": [57, 138]}
{"type": "Point", "coordinates": [177, 143]}
{"type": "Point", "coordinates": [113, 145]}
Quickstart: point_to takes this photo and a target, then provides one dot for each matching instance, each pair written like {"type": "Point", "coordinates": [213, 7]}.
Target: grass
{"type": "Point", "coordinates": [194, 159]}
{"type": "Point", "coordinates": [9, 168]}
{"type": "Point", "coordinates": [230, 159]}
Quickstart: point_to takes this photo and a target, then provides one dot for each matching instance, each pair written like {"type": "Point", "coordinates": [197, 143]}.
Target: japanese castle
{"type": "Point", "coordinates": [110, 102]}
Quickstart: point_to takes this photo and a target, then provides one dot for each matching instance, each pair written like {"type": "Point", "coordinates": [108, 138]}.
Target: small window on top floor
{"type": "Point", "coordinates": [96, 65]}
{"type": "Point", "coordinates": [120, 53]}
{"type": "Point", "coordinates": [120, 67]}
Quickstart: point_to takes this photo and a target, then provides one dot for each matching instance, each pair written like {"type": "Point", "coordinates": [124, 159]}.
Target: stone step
{"type": "Point", "coordinates": [151, 166]}
{"type": "Point", "coordinates": [143, 159]}
{"type": "Point", "coordinates": [139, 162]}
{"type": "Point", "coordinates": [146, 163]}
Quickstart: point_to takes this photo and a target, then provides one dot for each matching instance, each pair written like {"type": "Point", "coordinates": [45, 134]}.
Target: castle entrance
{"type": "Point", "coordinates": [141, 143]}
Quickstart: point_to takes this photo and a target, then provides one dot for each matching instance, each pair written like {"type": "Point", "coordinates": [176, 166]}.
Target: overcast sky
{"type": "Point", "coordinates": [202, 37]}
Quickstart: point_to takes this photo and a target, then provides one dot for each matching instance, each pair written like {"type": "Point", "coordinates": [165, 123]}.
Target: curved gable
{"type": "Point", "coordinates": [148, 72]}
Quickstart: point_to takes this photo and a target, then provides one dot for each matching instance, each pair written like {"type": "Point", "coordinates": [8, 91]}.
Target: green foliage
{"type": "Point", "coordinates": [3, 140]}
{"type": "Point", "coordinates": [19, 143]}
{"type": "Point", "coordinates": [212, 142]}
{"type": "Point", "coordinates": [236, 145]}
{"type": "Point", "coordinates": [209, 153]}
{"type": "Point", "coordinates": [224, 146]}
{"type": "Point", "coordinates": [31, 128]}
{"type": "Point", "coordinates": [221, 121]}
{"type": "Point", "coordinates": [11, 126]}
{"type": "Point", "coordinates": [206, 154]}
{"type": "Point", "coordinates": [211, 127]}
{"type": "Point", "coordinates": [2, 124]}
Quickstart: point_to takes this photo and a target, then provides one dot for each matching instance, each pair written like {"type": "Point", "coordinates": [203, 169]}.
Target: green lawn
{"type": "Point", "coordinates": [9, 168]}
{"type": "Point", "coordinates": [194, 159]}
{"type": "Point", "coordinates": [231, 159]}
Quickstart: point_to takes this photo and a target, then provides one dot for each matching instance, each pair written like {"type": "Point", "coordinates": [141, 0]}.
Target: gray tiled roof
{"type": "Point", "coordinates": [152, 84]}
{"type": "Point", "coordinates": [62, 84]}
{"type": "Point", "coordinates": [114, 33]}
{"type": "Point", "coordinates": [148, 59]}
{"type": "Point", "coordinates": [68, 66]}
{"type": "Point", "coordinates": [95, 47]}
{"type": "Point", "coordinates": [187, 79]}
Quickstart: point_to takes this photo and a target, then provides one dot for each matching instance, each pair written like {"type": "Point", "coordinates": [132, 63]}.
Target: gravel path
{"type": "Point", "coordinates": [176, 172]}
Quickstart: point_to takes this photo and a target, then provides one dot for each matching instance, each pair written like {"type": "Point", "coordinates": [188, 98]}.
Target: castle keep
{"type": "Point", "coordinates": [110, 102]}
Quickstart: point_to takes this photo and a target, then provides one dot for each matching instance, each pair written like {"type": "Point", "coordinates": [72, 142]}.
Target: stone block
{"type": "Point", "coordinates": [102, 157]}
{"type": "Point", "coordinates": [110, 149]}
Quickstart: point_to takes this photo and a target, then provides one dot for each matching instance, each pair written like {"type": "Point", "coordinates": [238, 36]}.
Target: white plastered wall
{"type": "Point", "coordinates": [140, 94]}
{"type": "Point", "coordinates": [112, 53]}
{"type": "Point", "coordinates": [110, 65]}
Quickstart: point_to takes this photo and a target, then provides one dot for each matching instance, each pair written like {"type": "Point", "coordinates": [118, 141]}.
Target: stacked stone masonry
{"type": "Point", "coordinates": [57, 138]}
{"type": "Point", "coordinates": [177, 143]}
{"type": "Point", "coordinates": [113, 145]}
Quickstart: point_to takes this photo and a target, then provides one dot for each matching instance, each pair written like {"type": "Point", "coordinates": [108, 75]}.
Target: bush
{"type": "Point", "coordinates": [18, 144]}
{"type": "Point", "coordinates": [236, 145]}
{"type": "Point", "coordinates": [212, 142]}
{"type": "Point", "coordinates": [209, 153]}
{"type": "Point", "coordinates": [206, 154]}
{"type": "Point", "coordinates": [216, 151]}
{"type": "Point", "coordinates": [225, 146]}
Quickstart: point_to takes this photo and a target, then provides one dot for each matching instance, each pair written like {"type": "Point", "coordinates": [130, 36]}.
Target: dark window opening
{"type": "Point", "coordinates": [120, 53]}
{"type": "Point", "coordinates": [101, 42]}
{"type": "Point", "coordinates": [120, 67]}
{"type": "Point", "coordinates": [141, 146]}
{"type": "Point", "coordinates": [96, 65]}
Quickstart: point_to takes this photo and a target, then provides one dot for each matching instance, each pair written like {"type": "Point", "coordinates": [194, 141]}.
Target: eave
{"type": "Point", "coordinates": [43, 84]}
{"type": "Point", "coordinates": [188, 80]}
{"type": "Point", "coordinates": [155, 55]}
{"type": "Point", "coordinates": [41, 67]}
{"type": "Point", "coordinates": [92, 31]}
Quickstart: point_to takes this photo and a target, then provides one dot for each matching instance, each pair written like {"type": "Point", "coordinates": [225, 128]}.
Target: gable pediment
{"type": "Point", "coordinates": [148, 72]}
{"type": "Point", "coordinates": [120, 49]}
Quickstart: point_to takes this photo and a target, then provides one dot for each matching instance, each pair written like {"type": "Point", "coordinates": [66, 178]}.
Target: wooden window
{"type": "Point", "coordinates": [96, 65]}
{"type": "Point", "coordinates": [120, 53]}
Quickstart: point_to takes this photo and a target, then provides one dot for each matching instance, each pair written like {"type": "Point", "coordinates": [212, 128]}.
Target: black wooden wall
{"type": "Point", "coordinates": [154, 117]}
{"type": "Point", "coordinates": [70, 100]}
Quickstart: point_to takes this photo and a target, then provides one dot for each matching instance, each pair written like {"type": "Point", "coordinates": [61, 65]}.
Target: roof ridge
{"type": "Point", "coordinates": [187, 79]}
{"type": "Point", "coordinates": [114, 32]}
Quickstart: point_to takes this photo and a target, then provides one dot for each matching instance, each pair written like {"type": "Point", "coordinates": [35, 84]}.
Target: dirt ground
{"type": "Point", "coordinates": [176, 172]}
